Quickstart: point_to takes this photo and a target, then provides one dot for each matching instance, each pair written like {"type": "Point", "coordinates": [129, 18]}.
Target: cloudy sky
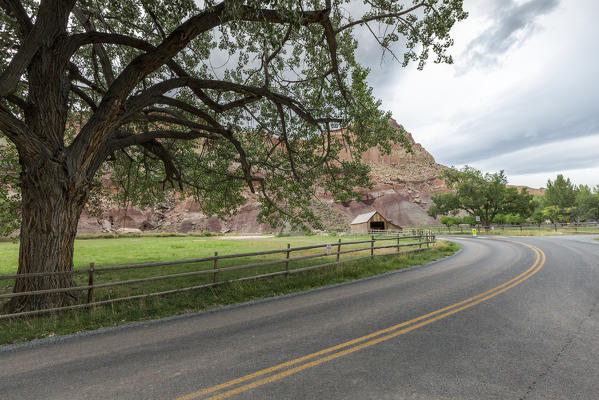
{"type": "Point", "coordinates": [522, 95]}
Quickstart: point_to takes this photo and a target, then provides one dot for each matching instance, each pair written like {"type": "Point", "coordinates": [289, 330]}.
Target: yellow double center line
{"type": "Point", "coordinates": [364, 341]}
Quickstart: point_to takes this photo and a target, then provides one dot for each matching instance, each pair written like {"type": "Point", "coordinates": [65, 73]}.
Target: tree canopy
{"type": "Point", "coordinates": [212, 98]}
{"type": "Point", "coordinates": [206, 98]}
{"type": "Point", "coordinates": [482, 195]}
{"type": "Point", "coordinates": [563, 201]}
{"type": "Point", "coordinates": [587, 202]}
{"type": "Point", "coordinates": [561, 192]}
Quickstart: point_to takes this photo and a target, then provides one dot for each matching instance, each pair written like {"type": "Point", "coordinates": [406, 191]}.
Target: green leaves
{"type": "Point", "coordinates": [10, 199]}
{"type": "Point", "coordinates": [273, 87]}
{"type": "Point", "coordinates": [485, 196]}
{"type": "Point", "coordinates": [560, 192]}
{"type": "Point", "coordinates": [587, 202]}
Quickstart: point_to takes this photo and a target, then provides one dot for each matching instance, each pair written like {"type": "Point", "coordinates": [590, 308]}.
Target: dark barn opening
{"type": "Point", "coordinates": [377, 225]}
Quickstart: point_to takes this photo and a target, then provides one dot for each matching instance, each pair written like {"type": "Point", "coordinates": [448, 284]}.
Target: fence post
{"type": "Point", "coordinates": [338, 250]}
{"type": "Point", "coordinates": [287, 262]}
{"type": "Point", "coordinates": [372, 246]}
{"type": "Point", "coordinates": [398, 242]}
{"type": "Point", "coordinates": [90, 283]}
{"type": "Point", "coordinates": [215, 266]}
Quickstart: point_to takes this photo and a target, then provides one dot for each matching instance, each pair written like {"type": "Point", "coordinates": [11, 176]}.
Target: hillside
{"type": "Point", "coordinates": [402, 186]}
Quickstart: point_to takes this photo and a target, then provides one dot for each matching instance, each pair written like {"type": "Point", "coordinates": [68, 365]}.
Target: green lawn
{"type": "Point", "coordinates": [149, 249]}
{"type": "Point", "coordinates": [129, 250]}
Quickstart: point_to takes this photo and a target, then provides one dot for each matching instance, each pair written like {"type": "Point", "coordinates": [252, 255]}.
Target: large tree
{"type": "Point", "coordinates": [561, 192]}
{"type": "Point", "coordinates": [209, 98]}
{"type": "Point", "coordinates": [587, 202]}
{"type": "Point", "coordinates": [478, 194]}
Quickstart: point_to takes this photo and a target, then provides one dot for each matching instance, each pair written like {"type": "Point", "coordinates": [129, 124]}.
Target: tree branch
{"type": "Point", "coordinates": [125, 139]}
{"type": "Point", "coordinates": [83, 96]}
{"type": "Point", "coordinates": [15, 8]}
{"type": "Point", "coordinates": [16, 131]}
{"type": "Point", "coordinates": [175, 120]}
{"type": "Point", "coordinates": [11, 126]}
{"type": "Point", "coordinates": [99, 49]}
{"type": "Point", "coordinates": [46, 28]}
{"type": "Point", "coordinates": [97, 130]}
{"type": "Point", "coordinates": [149, 95]}
{"type": "Point", "coordinates": [380, 17]}
{"type": "Point", "coordinates": [75, 74]}
{"type": "Point", "coordinates": [19, 102]}
{"type": "Point", "coordinates": [332, 44]}
{"type": "Point", "coordinates": [154, 19]}
{"type": "Point", "coordinates": [74, 42]}
{"type": "Point", "coordinates": [170, 169]}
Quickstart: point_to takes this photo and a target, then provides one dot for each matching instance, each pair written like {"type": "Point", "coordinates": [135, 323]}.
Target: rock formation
{"type": "Point", "coordinates": [403, 184]}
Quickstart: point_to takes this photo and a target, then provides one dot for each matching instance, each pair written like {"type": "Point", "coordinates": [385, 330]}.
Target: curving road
{"type": "Point", "coordinates": [502, 319]}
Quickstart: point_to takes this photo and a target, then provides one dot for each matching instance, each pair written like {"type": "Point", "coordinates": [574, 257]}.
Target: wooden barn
{"type": "Point", "coordinates": [372, 221]}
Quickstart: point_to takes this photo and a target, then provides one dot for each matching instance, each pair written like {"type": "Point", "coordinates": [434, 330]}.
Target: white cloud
{"type": "Point", "coordinates": [541, 88]}
{"type": "Point", "coordinates": [574, 158]}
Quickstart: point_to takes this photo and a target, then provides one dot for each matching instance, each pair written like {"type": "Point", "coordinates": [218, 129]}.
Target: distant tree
{"type": "Point", "coordinates": [519, 204]}
{"type": "Point", "coordinates": [587, 202]}
{"type": "Point", "coordinates": [443, 204]}
{"type": "Point", "coordinates": [449, 221]}
{"type": "Point", "coordinates": [538, 216]}
{"type": "Point", "coordinates": [479, 195]}
{"type": "Point", "coordinates": [509, 219]}
{"type": "Point", "coordinates": [515, 219]}
{"type": "Point", "coordinates": [553, 214]}
{"type": "Point", "coordinates": [561, 192]}
{"type": "Point", "coordinates": [468, 220]}
{"type": "Point", "coordinates": [203, 97]}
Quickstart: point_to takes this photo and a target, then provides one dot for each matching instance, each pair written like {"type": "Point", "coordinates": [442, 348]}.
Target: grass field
{"type": "Point", "coordinates": [149, 249]}
{"type": "Point", "coordinates": [129, 250]}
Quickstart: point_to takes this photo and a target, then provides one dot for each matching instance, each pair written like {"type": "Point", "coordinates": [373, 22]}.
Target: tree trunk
{"type": "Point", "coordinates": [51, 207]}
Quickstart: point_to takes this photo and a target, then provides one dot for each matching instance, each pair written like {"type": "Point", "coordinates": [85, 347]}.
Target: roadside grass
{"type": "Point", "coordinates": [20, 330]}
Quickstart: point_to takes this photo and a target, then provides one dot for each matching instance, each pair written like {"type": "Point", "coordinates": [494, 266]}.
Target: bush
{"type": "Point", "coordinates": [469, 220]}
{"type": "Point", "coordinates": [445, 220]}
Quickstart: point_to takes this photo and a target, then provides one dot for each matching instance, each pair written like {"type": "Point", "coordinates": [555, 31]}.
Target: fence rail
{"type": "Point", "coordinates": [570, 227]}
{"type": "Point", "coordinates": [416, 241]}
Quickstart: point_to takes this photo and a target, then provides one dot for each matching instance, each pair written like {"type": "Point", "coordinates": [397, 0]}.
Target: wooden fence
{"type": "Point", "coordinates": [577, 227]}
{"type": "Point", "coordinates": [216, 273]}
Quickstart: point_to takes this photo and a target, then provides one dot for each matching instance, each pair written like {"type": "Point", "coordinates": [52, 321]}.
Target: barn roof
{"type": "Point", "coordinates": [360, 219]}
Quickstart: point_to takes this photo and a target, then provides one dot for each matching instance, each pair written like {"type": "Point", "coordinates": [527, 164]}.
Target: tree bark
{"type": "Point", "coordinates": [50, 213]}
{"type": "Point", "coordinates": [52, 189]}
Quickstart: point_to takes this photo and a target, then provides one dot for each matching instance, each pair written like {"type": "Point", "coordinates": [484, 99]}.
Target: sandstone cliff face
{"type": "Point", "coordinates": [403, 184]}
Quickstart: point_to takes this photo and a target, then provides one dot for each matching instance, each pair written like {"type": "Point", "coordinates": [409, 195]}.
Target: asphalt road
{"type": "Point", "coordinates": [499, 320]}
